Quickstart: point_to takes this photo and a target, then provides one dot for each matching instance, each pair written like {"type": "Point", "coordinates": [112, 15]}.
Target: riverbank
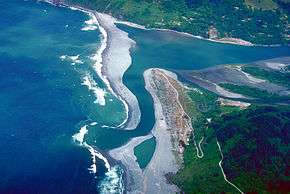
{"type": "Point", "coordinates": [112, 59]}
{"type": "Point", "coordinates": [226, 40]}
{"type": "Point", "coordinates": [116, 60]}
{"type": "Point", "coordinates": [172, 130]}
{"type": "Point", "coordinates": [229, 40]}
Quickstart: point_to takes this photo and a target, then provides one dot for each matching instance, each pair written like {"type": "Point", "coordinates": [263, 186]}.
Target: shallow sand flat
{"type": "Point", "coordinates": [133, 173]}
{"type": "Point", "coordinates": [116, 60]}
{"type": "Point", "coordinates": [164, 160]}
{"type": "Point", "coordinates": [152, 179]}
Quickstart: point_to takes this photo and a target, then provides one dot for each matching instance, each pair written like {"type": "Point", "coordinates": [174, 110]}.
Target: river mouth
{"type": "Point", "coordinates": [68, 96]}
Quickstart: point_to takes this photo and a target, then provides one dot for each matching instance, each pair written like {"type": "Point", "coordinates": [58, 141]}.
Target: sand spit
{"type": "Point", "coordinates": [276, 64]}
{"type": "Point", "coordinates": [236, 41]}
{"type": "Point", "coordinates": [248, 76]}
{"type": "Point", "coordinates": [116, 60]}
{"type": "Point", "coordinates": [133, 173]}
{"type": "Point", "coordinates": [112, 60]}
{"type": "Point", "coordinates": [171, 130]}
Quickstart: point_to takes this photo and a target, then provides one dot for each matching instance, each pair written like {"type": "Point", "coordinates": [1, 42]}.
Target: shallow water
{"type": "Point", "coordinates": [144, 152]}
{"type": "Point", "coordinates": [49, 90]}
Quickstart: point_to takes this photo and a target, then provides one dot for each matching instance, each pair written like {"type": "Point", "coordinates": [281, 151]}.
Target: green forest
{"type": "Point", "coordinates": [258, 21]}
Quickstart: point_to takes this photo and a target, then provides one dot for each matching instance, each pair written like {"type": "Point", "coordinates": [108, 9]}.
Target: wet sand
{"type": "Point", "coordinates": [116, 60]}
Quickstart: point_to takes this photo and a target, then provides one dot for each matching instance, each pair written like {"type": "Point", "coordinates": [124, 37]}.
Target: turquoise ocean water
{"type": "Point", "coordinates": [49, 90]}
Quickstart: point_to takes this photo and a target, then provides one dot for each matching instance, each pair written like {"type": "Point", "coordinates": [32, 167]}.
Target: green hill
{"type": "Point", "coordinates": [257, 21]}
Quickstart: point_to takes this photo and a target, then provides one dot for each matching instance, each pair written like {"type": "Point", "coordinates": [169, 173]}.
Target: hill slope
{"type": "Point", "coordinates": [260, 22]}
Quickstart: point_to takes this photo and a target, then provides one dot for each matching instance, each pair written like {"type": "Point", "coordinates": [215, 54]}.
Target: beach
{"type": "Point", "coordinates": [112, 60]}
{"type": "Point", "coordinates": [116, 60]}
{"type": "Point", "coordinates": [172, 127]}
{"type": "Point", "coordinates": [152, 179]}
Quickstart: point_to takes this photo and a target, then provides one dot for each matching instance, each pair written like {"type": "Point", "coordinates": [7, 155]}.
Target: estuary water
{"type": "Point", "coordinates": [57, 117]}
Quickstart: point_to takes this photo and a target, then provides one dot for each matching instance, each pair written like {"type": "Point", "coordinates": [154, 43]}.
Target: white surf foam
{"type": "Point", "coordinates": [79, 137]}
{"type": "Point", "coordinates": [63, 57]}
{"type": "Point", "coordinates": [90, 24]}
{"type": "Point", "coordinates": [99, 93]}
{"type": "Point", "coordinates": [95, 154]}
{"type": "Point", "coordinates": [113, 183]}
{"type": "Point", "coordinates": [98, 58]}
{"type": "Point", "coordinates": [93, 123]}
{"type": "Point", "coordinates": [73, 59]}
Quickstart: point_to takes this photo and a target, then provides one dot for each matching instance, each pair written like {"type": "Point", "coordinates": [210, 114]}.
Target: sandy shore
{"type": "Point", "coordinates": [166, 158]}
{"type": "Point", "coordinates": [116, 60]}
{"type": "Point", "coordinates": [236, 41]}
{"type": "Point", "coordinates": [112, 60]}
{"type": "Point", "coordinates": [134, 174]}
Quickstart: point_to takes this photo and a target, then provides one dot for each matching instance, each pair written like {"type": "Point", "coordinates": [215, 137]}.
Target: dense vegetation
{"type": "Point", "coordinates": [202, 175]}
{"type": "Point", "coordinates": [257, 21]}
{"type": "Point", "coordinates": [254, 142]}
{"type": "Point", "coordinates": [278, 77]}
{"type": "Point", "coordinates": [249, 91]}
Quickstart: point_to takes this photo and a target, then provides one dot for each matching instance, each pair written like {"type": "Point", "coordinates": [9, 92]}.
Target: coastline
{"type": "Point", "coordinates": [115, 179]}
{"type": "Point", "coordinates": [171, 127]}
{"type": "Point", "coordinates": [116, 60]}
{"type": "Point", "coordinates": [236, 41]}
{"type": "Point", "coordinates": [108, 64]}
{"type": "Point", "coordinates": [225, 40]}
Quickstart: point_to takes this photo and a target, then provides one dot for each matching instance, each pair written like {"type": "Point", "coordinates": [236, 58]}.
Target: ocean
{"type": "Point", "coordinates": [58, 119]}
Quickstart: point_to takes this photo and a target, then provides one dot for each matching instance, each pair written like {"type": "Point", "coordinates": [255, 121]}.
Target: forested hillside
{"type": "Point", "coordinates": [257, 21]}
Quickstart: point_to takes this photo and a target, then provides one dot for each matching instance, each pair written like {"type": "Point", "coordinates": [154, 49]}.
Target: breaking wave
{"type": "Point", "coordinates": [99, 64]}
{"type": "Point", "coordinates": [92, 86]}
{"type": "Point", "coordinates": [73, 59]}
{"type": "Point", "coordinates": [113, 182]}
{"type": "Point", "coordinates": [90, 25]}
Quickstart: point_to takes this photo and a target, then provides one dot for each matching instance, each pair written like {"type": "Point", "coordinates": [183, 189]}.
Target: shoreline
{"type": "Point", "coordinates": [224, 40]}
{"type": "Point", "coordinates": [167, 158]}
{"type": "Point", "coordinates": [133, 113]}
{"type": "Point", "coordinates": [229, 40]}
{"type": "Point", "coordinates": [116, 60]}
{"type": "Point", "coordinates": [110, 68]}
